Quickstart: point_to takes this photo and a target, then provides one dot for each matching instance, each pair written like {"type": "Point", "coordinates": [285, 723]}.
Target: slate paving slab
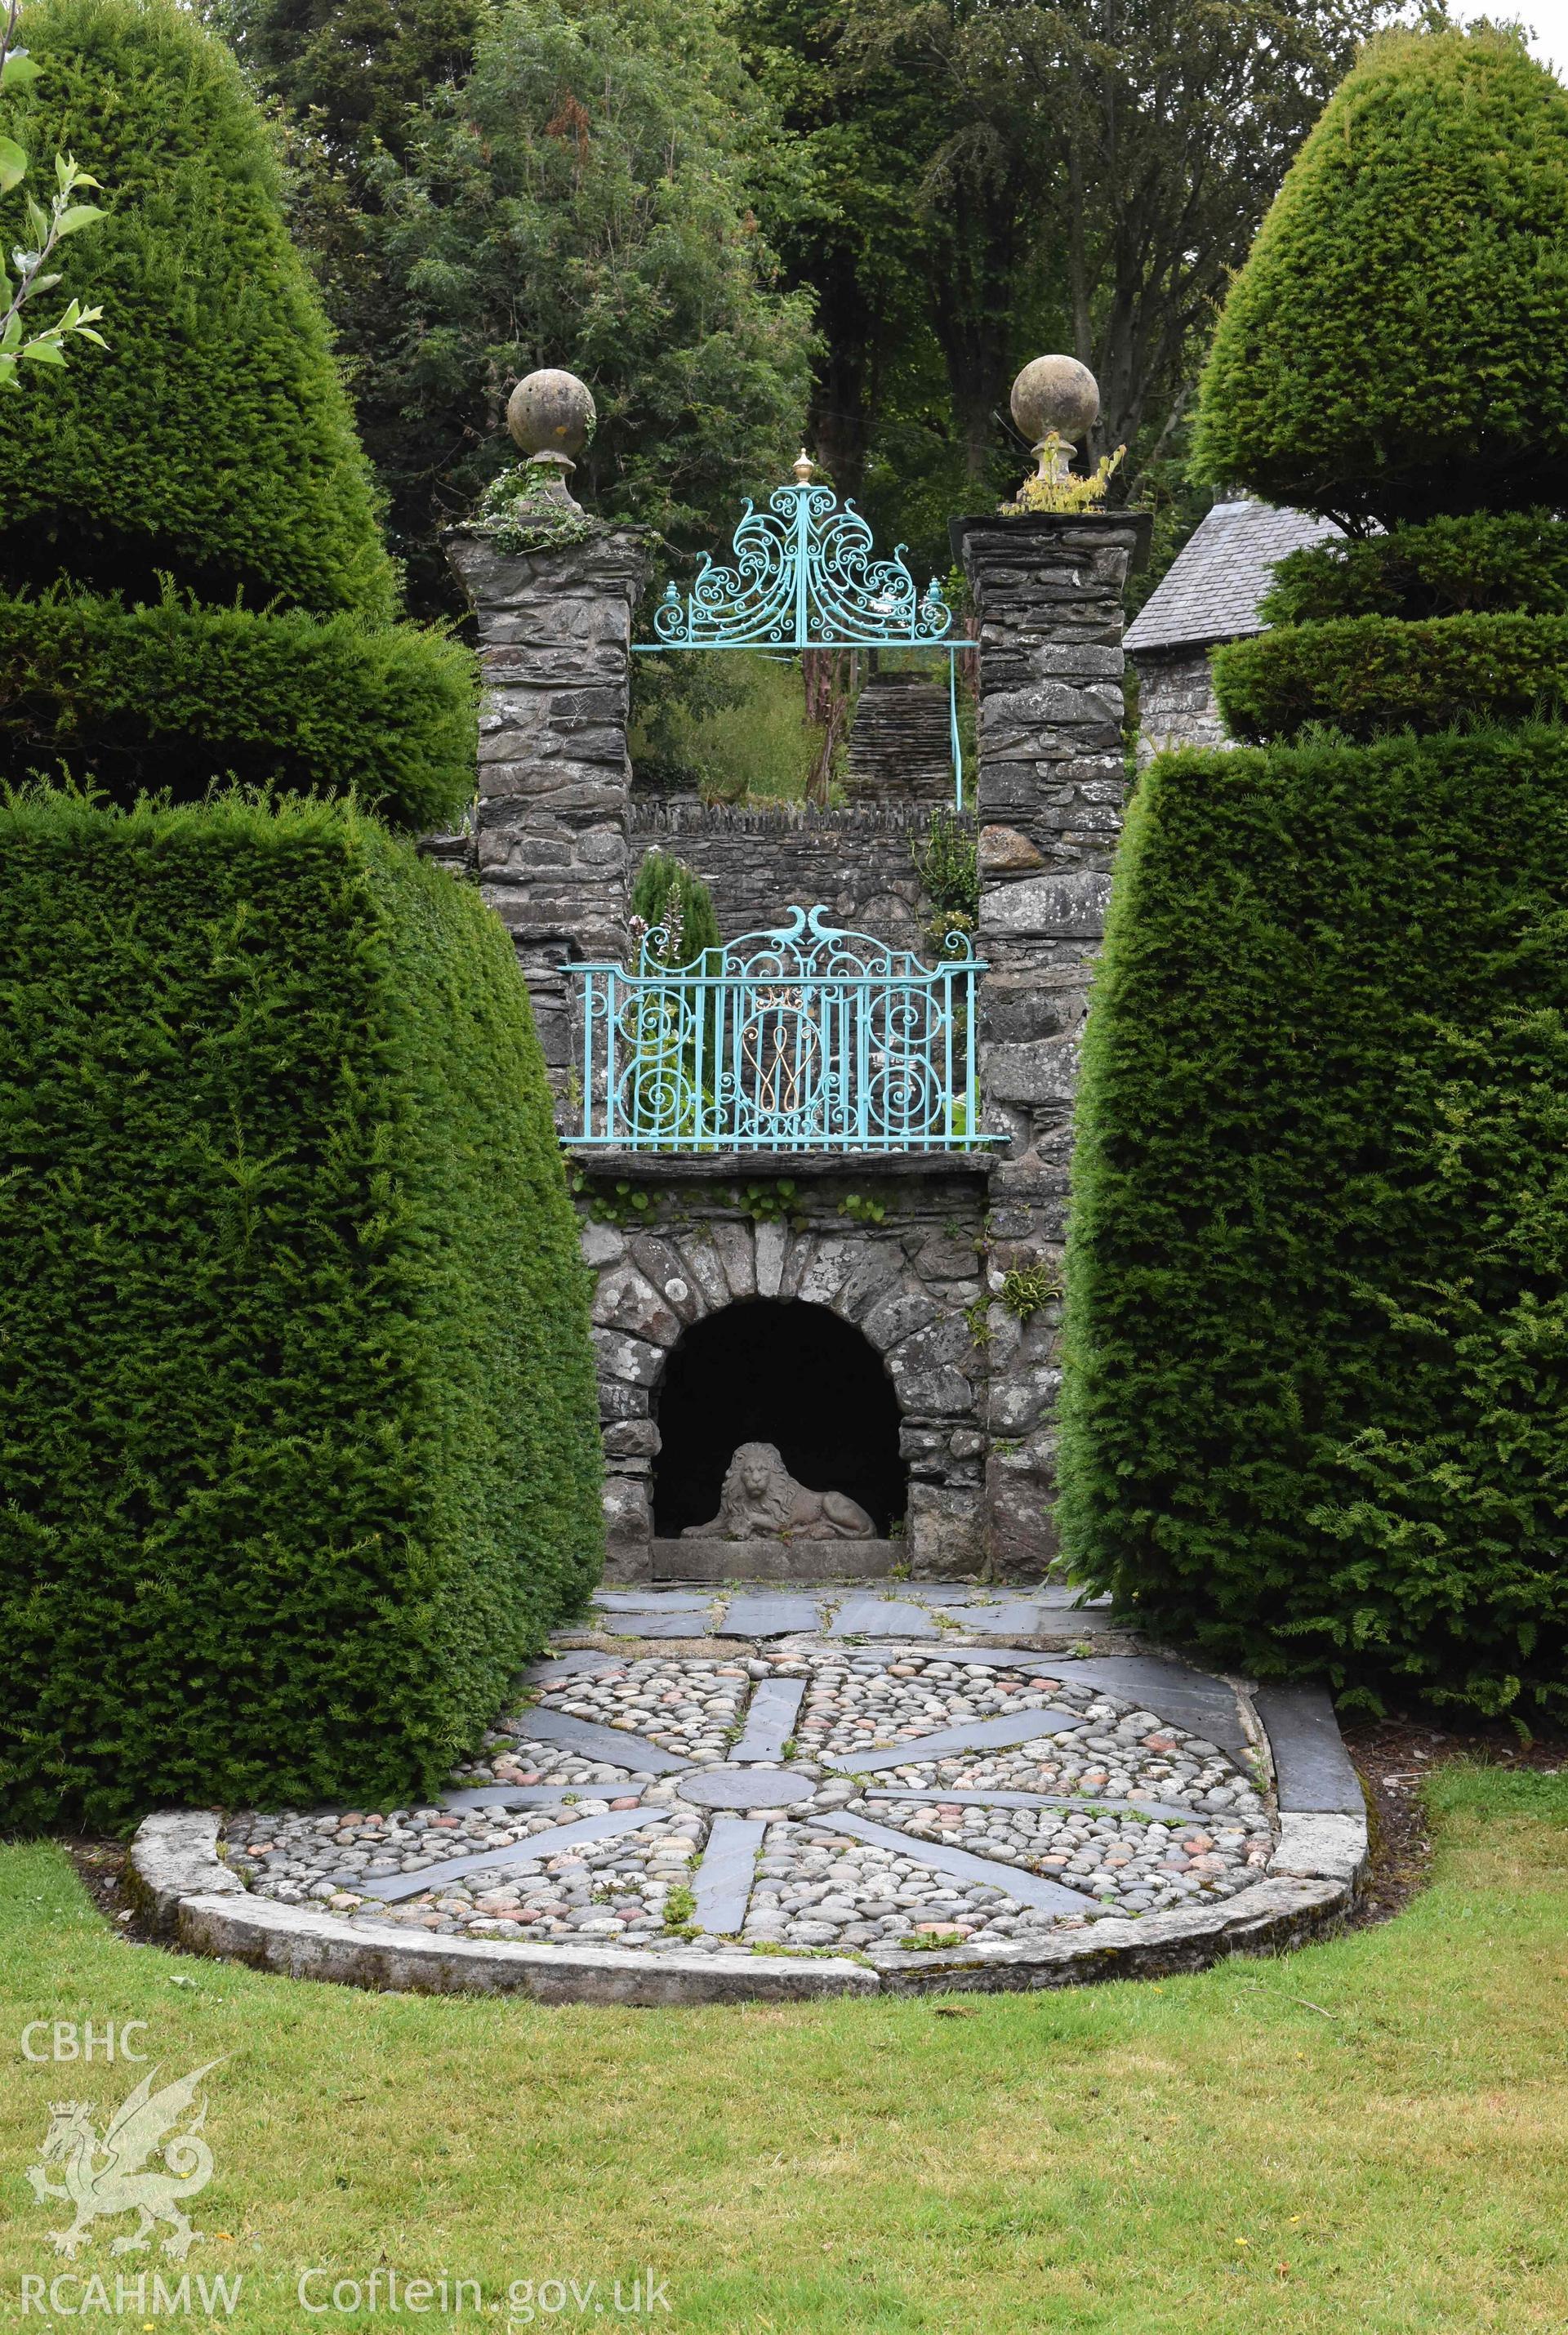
{"type": "Point", "coordinates": [1010, 1621]}
{"type": "Point", "coordinates": [608, 1745]}
{"type": "Point", "coordinates": [882, 1617]}
{"type": "Point", "coordinates": [763, 1613]}
{"type": "Point", "coordinates": [979, 1871]}
{"type": "Point", "coordinates": [983, 1735]}
{"type": "Point", "coordinates": [1205, 1705]}
{"type": "Point", "coordinates": [722, 1886]}
{"type": "Point", "coordinates": [648, 1622]}
{"type": "Point", "coordinates": [744, 1787]}
{"type": "Point", "coordinates": [525, 1795]}
{"type": "Point", "coordinates": [770, 1721]}
{"type": "Point", "coordinates": [653, 1600]}
{"type": "Point", "coordinates": [933, 1795]}
{"type": "Point", "coordinates": [582, 1663]}
{"type": "Point", "coordinates": [1313, 1770]}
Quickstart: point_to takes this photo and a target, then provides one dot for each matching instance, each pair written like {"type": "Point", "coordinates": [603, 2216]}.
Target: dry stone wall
{"type": "Point", "coordinates": [548, 846]}
{"type": "Point", "coordinates": [858, 861]}
{"type": "Point", "coordinates": [1176, 702]}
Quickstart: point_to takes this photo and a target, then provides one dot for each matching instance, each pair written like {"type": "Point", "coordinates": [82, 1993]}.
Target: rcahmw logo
{"type": "Point", "coordinates": [102, 2179]}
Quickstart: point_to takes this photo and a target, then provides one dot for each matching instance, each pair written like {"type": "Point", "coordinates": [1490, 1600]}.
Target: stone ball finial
{"type": "Point", "coordinates": [551, 413]}
{"type": "Point", "coordinates": [1056, 393]}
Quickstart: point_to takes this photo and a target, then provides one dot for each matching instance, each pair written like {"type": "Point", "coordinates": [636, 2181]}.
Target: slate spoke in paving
{"type": "Point", "coordinates": [983, 1735]}
{"type": "Point", "coordinates": [608, 1745]}
{"type": "Point", "coordinates": [932, 1795]}
{"type": "Point", "coordinates": [979, 1871]}
{"type": "Point", "coordinates": [770, 1721]}
{"type": "Point", "coordinates": [759, 1614]}
{"type": "Point", "coordinates": [882, 1617]}
{"type": "Point", "coordinates": [1205, 1706]}
{"type": "Point", "coordinates": [531, 1796]}
{"type": "Point", "coordinates": [391, 1886]}
{"type": "Point", "coordinates": [1312, 1767]}
{"type": "Point", "coordinates": [722, 1886]}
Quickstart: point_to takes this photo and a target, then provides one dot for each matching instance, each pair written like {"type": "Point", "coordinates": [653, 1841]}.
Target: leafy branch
{"type": "Point", "coordinates": [46, 230]}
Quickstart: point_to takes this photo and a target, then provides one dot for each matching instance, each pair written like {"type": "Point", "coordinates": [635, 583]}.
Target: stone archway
{"type": "Point", "coordinates": [906, 1282]}
{"type": "Point", "coordinates": [769, 1370]}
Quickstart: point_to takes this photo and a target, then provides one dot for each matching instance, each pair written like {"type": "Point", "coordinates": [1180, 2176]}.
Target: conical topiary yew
{"type": "Point", "coordinates": [214, 440]}
{"type": "Point", "coordinates": [1397, 342]}
{"type": "Point", "coordinates": [196, 585]}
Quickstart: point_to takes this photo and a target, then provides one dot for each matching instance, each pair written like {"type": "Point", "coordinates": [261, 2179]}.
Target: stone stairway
{"type": "Point", "coordinates": [899, 748]}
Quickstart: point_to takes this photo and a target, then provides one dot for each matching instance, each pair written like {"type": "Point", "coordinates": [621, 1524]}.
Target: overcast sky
{"type": "Point", "coordinates": [1548, 19]}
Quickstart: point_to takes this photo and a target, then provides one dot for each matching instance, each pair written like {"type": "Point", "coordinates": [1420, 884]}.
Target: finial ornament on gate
{"type": "Point", "coordinates": [803, 576]}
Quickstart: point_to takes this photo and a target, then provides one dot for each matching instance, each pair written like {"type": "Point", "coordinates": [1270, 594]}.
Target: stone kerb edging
{"type": "Point", "coordinates": [197, 1902]}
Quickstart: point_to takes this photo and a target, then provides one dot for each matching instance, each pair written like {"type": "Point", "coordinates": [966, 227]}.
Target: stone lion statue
{"type": "Point", "coordinates": [762, 1501]}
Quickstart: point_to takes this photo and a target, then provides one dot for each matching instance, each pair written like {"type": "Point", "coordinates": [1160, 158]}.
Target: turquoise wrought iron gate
{"type": "Point", "coordinates": [804, 577]}
{"type": "Point", "coordinates": [800, 1039]}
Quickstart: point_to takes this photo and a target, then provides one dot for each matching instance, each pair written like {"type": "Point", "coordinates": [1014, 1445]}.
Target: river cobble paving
{"type": "Point", "coordinates": [1197, 1828]}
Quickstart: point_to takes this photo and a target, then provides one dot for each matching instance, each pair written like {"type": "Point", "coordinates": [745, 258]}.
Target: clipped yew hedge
{"type": "Point", "coordinates": [1397, 342]}
{"type": "Point", "coordinates": [167, 696]}
{"type": "Point", "coordinates": [1316, 1407]}
{"type": "Point", "coordinates": [1459, 563]}
{"type": "Point", "coordinates": [297, 1419]}
{"type": "Point", "coordinates": [213, 439]}
{"type": "Point", "coordinates": [1367, 674]}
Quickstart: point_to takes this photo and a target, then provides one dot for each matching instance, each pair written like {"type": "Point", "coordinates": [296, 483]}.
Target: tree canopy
{"type": "Point", "coordinates": [970, 186]}
{"type": "Point", "coordinates": [581, 199]}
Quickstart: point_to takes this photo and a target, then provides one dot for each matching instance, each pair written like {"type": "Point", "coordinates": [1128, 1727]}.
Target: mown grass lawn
{"type": "Point", "coordinates": [1214, 2154]}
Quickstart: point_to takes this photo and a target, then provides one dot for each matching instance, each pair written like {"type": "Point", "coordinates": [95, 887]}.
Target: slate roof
{"type": "Point", "coordinates": [1212, 589]}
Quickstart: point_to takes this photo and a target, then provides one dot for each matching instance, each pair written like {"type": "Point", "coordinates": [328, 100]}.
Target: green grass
{"type": "Point", "coordinates": [1367, 2135]}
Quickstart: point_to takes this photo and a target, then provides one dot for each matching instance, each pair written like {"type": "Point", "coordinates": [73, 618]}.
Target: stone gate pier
{"type": "Point", "coordinates": [882, 1315]}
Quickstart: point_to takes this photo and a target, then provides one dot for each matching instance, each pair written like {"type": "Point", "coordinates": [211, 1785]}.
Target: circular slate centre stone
{"type": "Point", "coordinates": [744, 1787]}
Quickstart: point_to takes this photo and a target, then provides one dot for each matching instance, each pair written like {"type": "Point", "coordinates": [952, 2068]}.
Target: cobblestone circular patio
{"type": "Point", "coordinates": [802, 1797]}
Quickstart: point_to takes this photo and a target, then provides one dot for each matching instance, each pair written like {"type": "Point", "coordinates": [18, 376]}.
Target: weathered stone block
{"type": "Point", "coordinates": [1058, 906]}
{"type": "Point", "coordinates": [1045, 1071]}
{"type": "Point", "coordinates": [736, 1251]}
{"type": "Point", "coordinates": [630, 1359]}
{"type": "Point", "coordinates": [667, 1269]}
{"type": "Point", "coordinates": [771, 1240]}
{"type": "Point", "coordinates": [624, 1300]}
{"type": "Point", "coordinates": [631, 1438]}
{"type": "Point", "coordinates": [896, 1316]}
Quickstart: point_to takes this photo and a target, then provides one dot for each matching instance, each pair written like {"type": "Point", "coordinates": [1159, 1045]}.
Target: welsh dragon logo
{"type": "Point", "coordinates": [103, 2178]}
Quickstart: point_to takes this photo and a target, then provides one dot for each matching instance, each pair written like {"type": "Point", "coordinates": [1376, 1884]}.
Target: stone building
{"type": "Point", "coordinates": [881, 1307]}
{"type": "Point", "coordinates": [1209, 594]}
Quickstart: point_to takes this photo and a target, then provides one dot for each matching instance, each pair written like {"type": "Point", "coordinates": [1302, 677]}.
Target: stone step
{"type": "Point", "coordinates": [899, 746]}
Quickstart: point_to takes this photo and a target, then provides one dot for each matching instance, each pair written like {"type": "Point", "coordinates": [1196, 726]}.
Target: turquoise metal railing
{"type": "Point", "coordinates": [800, 1039]}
